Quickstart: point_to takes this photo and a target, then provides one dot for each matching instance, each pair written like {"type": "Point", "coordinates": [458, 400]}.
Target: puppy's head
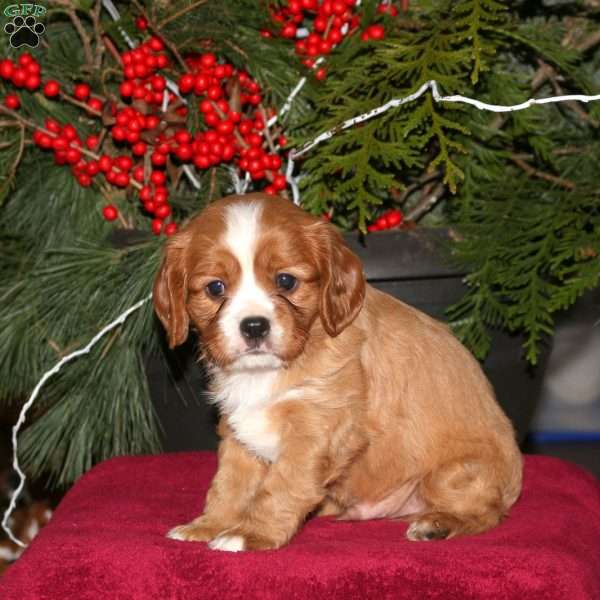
{"type": "Point", "coordinates": [252, 274]}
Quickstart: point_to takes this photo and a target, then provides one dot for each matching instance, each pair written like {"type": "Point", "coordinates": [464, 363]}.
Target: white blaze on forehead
{"type": "Point", "coordinates": [243, 229]}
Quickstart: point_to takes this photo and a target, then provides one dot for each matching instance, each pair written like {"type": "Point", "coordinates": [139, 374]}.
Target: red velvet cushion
{"type": "Point", "coordinates": [106, 540]}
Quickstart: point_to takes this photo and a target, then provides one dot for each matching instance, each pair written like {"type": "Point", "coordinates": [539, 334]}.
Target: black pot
{"type": "Point", "coordinates": [409, 265]}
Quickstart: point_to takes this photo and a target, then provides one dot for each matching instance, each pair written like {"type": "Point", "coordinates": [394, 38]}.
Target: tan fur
{"type": "Point", "coordinates": [381, 412]}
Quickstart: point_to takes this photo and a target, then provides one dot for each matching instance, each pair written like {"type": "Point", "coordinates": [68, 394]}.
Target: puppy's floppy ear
{"type": "Point", "coordinates": [342, 280]}
{"type": "Point", "coordinates": [170, 292]}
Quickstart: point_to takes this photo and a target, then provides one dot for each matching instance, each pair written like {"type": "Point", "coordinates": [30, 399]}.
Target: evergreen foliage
{"type": "Point", "coordinates": [520, 190]}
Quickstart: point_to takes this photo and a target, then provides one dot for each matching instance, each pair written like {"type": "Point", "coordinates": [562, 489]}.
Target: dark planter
{"type": "Point", "coordinates": [409, 265]}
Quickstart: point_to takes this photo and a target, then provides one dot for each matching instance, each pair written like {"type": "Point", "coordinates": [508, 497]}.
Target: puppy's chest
{"type": "Point", "coordinates": [248, 400]}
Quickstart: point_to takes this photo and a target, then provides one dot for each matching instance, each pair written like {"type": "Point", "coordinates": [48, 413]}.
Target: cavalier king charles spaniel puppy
{"type": "Point", "coordinates": [335, 398]}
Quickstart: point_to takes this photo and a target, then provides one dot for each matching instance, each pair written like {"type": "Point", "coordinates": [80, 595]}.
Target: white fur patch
{"type": "Point", "coordinates": [241, 237]}
{"type": "Point", "coordinates": [246, 398]}
{"type": "Point", "coordinates": [228, 543]}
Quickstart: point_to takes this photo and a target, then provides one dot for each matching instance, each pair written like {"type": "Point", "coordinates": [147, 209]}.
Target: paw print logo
{"type": "Point", "coordinates": [24, 32]}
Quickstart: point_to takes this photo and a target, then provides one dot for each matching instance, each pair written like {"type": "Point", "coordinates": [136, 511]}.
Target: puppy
{"type": "Point", "coordinates": [335, 398]}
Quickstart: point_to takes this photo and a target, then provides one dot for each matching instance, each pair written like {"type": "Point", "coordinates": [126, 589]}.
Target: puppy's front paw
{"type": "Point", "coordinates": [192, 532]}
{"type": "Point", "coordinates": [244, 537]}
{"type": "Point", "coordinates": [228, 543]}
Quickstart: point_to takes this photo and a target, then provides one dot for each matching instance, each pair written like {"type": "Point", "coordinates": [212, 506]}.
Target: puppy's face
{"type": "Point", "coordinates": [252, 274]}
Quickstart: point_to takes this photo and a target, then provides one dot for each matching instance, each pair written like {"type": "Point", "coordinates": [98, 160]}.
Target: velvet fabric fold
{"type": "Point", "coordinates": [107, 541]}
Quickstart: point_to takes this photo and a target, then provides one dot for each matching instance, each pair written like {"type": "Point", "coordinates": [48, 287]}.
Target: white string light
{"type": "Point", "coordinates": [395, 102]}
{"type": "Point", "coordinates": [23, 414]}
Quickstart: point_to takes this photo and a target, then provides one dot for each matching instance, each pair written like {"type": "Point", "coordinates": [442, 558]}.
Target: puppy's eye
{"type": "Point", "coordinates": [215, 288]}
{"type": "Point", "coordinates": [285, 281]}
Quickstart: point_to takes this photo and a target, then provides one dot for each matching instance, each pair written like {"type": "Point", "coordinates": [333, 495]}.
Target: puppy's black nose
{"type": "Point", "coordinates": [254, 328]}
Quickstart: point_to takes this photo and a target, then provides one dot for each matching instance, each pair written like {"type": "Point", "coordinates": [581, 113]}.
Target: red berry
{"type": "Point", "coordinates": [279, 182]}
{"type": "Point", "coordinates": [321, 74]}
{"type": "Point", "coordinates": [141, 23]}
{"type": "Point", "coordinates": [158, 177]}
{"type": "Point", "coordinates": [95, 104]}
{"type": "Point", "coordinates": [105, 163]}
{"type": "Point", "coordinates": [373, 227]}
{"type": "Point", "coordinates": [161, 195]}
{"type": "Point", "coordinates": [139, 148]}
{"type": "Point", "coordinates": [26, 59]}
{"type": "Point", "coordinates": [33, 82]}
{"type": "Point", "coordinates": [201, 161]}
{"type": "Point", "coordinates": [170, 228]}
{"type": "Point", "coordinates": [382, 222]}
{"type": "Point", "coordinates": [211, 119]}
{"type": "Point", "coordinates": [84, 180]}
{"type": "Point", "coordinates": [265, 33]}
{"type": "Point", "coordinates": [282, 141]}
{"type": "Point", "coordinates": [43, 140]}
{"type": "Point", "coordinates": [320, 24]}
{"type": "Point", "coordinates": [119, 133]}
{"type": "Point", "coordinates": [110, 212]}
{"type": "Point", "coordinates": [376, 32]}
{"type": "Point", "coordinates": [6, 68]}
{"type": "Point", "coordinates": [158, 159]}
{"type": "Point", "coordinates": [145, 194]}
{"type": "Point", "coordinates": [19, 76]}
{"type": "Point", "coordinates": [69, 132]}
{"type": "Point", "coordinates": [270, 190]}
{"type": "Point", "coordinates": [335, 36]}
{"type": "Point", "coordinates": [12, 101]}
{"type": "Point", "coordinates": [92, 141]}
{"type": "Point", "coordinates": [52, 125]}
{"type": "Point", "coordinates": [124, 163]}
{"type": "Point", "coordinates": [214, 92]}
{"type": "Point", "coordinates": [121, 179]}
{"type": "Point", "coordinates": [51, 88]}
{"type": "Point", "coordinates": [162, 211]}
{"type": "Point", "coordinates": [126, 88]}
{"type": "Point", "coordinates": [156, 44]}
{"type": "Point", "coordinates": [274, 162]}
{"type": "Point", "coordinates": [394, 218]}
{"type": "Point", "coordinates": [183, 137]}
{"type": "Point", "coordinates": [289, 31]}
{"type": "Point", "coordinates": [81, 91]}
{"type": "Point", "coordinates": [208, 60]}
{"type": "Point", "coordinates": [184, 152]}
{"type": "Point", "coordinates": [59, 144]}
{"type": "Point", "coordinates": [92, 168]}
{"type": "Point", "coordinates": [221, 71]}
{"type": "Point", "coordinates": [206, 106]}
{"type": "Point", "coordinates": [152, 122]}
{"type": "Point", "coordinates": [156, 226]}
{"type": "Point", "coordinates": [158, 83]}
{"type": "Point", "coordinates": [138, 174]}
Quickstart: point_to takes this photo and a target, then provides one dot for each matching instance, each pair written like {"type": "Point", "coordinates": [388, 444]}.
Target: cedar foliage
{"type": "Point", "coordinates": [519, 190]}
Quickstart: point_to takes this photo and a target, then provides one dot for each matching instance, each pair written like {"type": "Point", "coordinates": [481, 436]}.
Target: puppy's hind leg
{"type": "Point", "coordinates": [464, 497]}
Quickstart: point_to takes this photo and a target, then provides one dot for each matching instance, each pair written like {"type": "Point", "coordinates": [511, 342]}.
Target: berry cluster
{"type": "Point", "coordinates": [231, 105]}
{"type": "Point", "coordinates": [388, 220]}
{"type": "Point", "coordinates": [147, 139]}
{"type": "Point", "coordinates": [328, 23]}
{"type": "Point", "coordinates": [140, 67]}
{"type": "Point", "coordinates": [25, 73]}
